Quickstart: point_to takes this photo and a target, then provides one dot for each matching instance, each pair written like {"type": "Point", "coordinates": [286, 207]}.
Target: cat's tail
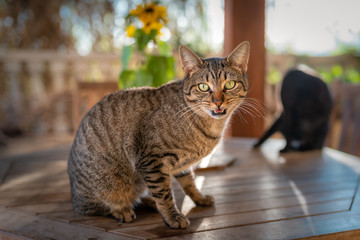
{"type": "Point", "coordinates": [274, 128]}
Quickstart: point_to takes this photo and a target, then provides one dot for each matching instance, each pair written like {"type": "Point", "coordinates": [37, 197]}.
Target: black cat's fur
{"type": "Point", "coordinates": [307, 106]}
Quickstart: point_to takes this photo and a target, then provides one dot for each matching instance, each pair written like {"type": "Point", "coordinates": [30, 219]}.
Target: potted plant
{"type": "Point", "coordinates": [148, 61]}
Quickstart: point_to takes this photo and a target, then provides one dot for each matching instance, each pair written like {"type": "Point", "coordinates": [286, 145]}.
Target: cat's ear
{"type": "Point", "coordinates": [239, 58]}
{"type": "Point", "coordinates": [190, 62]}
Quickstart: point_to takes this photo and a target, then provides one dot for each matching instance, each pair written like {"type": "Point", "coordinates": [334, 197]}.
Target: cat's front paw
{"type": "Point", "coordinates": [125, 215]}
{"type": "Point", "coordinates": [206, 200]}
{"type": "Point", "coordinates": [179, 221]}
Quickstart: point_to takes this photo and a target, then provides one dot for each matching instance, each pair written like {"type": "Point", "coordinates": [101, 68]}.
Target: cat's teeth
{"type": "Point", "coordinates": [219, 112]}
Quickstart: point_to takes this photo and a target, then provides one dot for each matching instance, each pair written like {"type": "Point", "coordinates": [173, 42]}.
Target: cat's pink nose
{"type": "Point", "coordinates": [218, 102]}
{"type": "Point", "coordinates": [218, 99]}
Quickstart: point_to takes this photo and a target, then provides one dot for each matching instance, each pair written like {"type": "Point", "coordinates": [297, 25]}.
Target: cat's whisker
{"type": "Point", "coordinates": [192, 108]}
{"type": "Point", "coordinates": [186, 118]}
{"type": "Point", "coordinates": [186, 109]}
{"type": "Point", "coordinates": [245, 110]}
{"type": "Point", "coordinates": [243, 120]}
{"type": "Point", "coordinates": [189, 119]}
{"type": "Point", "coordinates": [254, 110]}
{"type": "Point", "coordinates": [255, 104]}
{"type": "Point", "coordinates": [193, 117]}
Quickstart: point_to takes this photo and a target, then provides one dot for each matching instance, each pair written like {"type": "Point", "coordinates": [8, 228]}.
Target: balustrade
{"type": "Point", "coordinates": [36, 96]}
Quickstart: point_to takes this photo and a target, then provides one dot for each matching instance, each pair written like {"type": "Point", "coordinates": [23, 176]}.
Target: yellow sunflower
{"type": "Point", "coordinates": [150, 12]}
{"type": "Point", "coordinates": [130, 30]}
{"type": "Point", "coordinates": [137, 11]}
{"type": "Point", "coordinates": [155, 25]}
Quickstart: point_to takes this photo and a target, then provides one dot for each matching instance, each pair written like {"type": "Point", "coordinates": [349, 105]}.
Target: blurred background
{"type": "Point", "coordinates": [57, 58]}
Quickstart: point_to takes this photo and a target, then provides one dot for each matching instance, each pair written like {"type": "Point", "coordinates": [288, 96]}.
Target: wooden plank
{"type": "Point", "coordinates": [35, 190]}
{"type": "Point", "coordinates": [264, 204]}
{"type": "Point", "coordinates": [39, 227]}
{"type": "Point", "coordinates": [70, 216]}
{"type": "Point", "coordinates": [45, 207]}
{"type": "Point", "coordinates": [251, 193]}
{"type": "Point", "coordinates": [286, 229]}
{"type": "Point", "coordinates": [146, 216]}
{"type": "Point", "coordinates": [30, 170]}
{"type": "Point", "coordinates": [32, 188]}
{"type": "Point", "coordinates": [41, 198]}
{"type": "Point", "coordinates": [299, 227]}
{"type": "Point", "coordinates": [348, 235]}
{"type": "Point", "coordinates": [280, 193]}
{"type": "Point", "coordinates": [225, 179]}
{"type": "Point", "coordinates": [218, 161]}
{"type": "Point", "coordinates": [271, 186]}
{"type": "Point", "coordinates": [11, 236]}
{"type": "Point", "coordinates": [226, 221]}
{"type": "Point", "coordinates": [4, 168]}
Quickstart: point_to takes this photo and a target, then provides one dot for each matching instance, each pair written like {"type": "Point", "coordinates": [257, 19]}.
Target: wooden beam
{"type": "Point", "coordinates": [245, 21]}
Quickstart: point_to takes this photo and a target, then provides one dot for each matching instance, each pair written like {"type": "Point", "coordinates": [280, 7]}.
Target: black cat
{"type": "Point", "coordinates": [307, 106]}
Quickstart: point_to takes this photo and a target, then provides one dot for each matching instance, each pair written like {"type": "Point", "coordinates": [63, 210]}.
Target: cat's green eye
{"type": "Point", "coordinates": [204, 87]}
{"type": "Point", "coordinates": [229, 85]}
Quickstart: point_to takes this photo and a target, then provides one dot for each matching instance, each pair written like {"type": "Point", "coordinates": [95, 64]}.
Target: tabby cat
{"type": "Point", "coordinates": [307, 106]}
{"type": "Point", "coordinates": [135, 140]}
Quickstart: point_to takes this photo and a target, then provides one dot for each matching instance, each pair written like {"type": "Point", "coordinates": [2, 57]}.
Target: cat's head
{"type": "Point", "coordinates": [215, 86]}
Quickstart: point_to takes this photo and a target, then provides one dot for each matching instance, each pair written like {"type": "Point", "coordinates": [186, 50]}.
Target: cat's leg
{"type": "Point", "coordinates": [120, 206]}
{"type": "Point", "coordinates": [287, 129]}
{"type": "Point", "coordinates": [274, 128]}
{"type": "Point", "coordinates": [314, 138]}
{"type": "Point", "coordinates": [186, 180]}
{"type": "Point", "coordinates": [123, 193]}
{"type": "Point", "coordinates": [157, 178]}
{"type": "Point", "coordinates": [149, 201]}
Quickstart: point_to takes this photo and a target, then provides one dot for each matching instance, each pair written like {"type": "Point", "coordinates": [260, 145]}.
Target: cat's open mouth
{"type": "Point", "coordinates": [218, 112]}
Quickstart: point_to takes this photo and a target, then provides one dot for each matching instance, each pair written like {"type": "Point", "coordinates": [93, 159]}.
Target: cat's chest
{"type": "Point", "coordinates": [193, 155]}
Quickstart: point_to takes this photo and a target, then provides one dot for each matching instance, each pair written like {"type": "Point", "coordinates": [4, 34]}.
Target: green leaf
{"type": "Point", "coordinates": [352, 75]}
{"type": "Point", "coordinates": [337, 70]}
{"type": "Point", "coordinates": [134, 78]}
{"type": "Point", "coordinates": [126, 55]}
{"type": "Point", "coordinates": [274, 76]}
{"type": "Point", "coordinates": [161, 68]}
{"type": "Point", "coordinates": [143, 78]}
{"type": "Point", "coordinates": [126, 79]}
{"type": "Point", "coordinates": [326, 76]}
{"type": "Point", "coordinates": [142, 39]}
{"type": "Point", "coordinates": [164, 48]}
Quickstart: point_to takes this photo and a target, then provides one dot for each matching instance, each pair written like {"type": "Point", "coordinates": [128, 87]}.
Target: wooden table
{"type": "Point", "coordinates": [260, 196]}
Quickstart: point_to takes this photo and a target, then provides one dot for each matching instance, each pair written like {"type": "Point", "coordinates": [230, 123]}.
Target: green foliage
{"type": "Point", "coordinates": [142, 39]}
{"type": "Point", "coordinates": [274, 76]}
{"type": "Point", "coordinates": [353, 75]}
{"type": "Point", "coordinates": [338, 72]}
{"type": "Point", "coordinates": [164, 48]}
{"type": "Point", "coordinates": [134, 78]}
{"type": "Point", "coordinates": [126, 55]}
{"type": "Point", "coordinates": [156, 65]}
{"type": "Point", "coordinates": [161, 68]}
{"type": "Point", "coordinates": [326, 76]}
{"type": "Point", "coordinates": [157, 71]}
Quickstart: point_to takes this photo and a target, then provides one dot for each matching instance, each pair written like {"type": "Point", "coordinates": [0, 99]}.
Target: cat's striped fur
{"type": "Point", "coordinates": [136, 140]}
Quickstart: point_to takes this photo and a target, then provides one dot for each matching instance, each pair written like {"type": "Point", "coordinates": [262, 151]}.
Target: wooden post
{"type": "Point", "coordinates": [245, 21]}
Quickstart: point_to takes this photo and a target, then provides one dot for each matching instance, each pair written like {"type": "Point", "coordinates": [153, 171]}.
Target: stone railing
{"type": "Point", "coordinates": [36, 87]}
